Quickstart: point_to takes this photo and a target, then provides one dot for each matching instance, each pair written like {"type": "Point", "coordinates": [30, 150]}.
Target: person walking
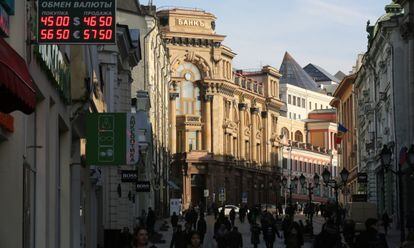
{"type": "Point", "coordinates": [255, 236]}
{"type": "Point", "coordinates": [126, 238]}
{"type": "Point", "coordinates": [174, 220]}
{"type": "Point", "coordinates": [150, 221]}
{"type": "Point", "coordinates": [201, 228]}
{"type": "Point", "coordinates": [141, 238]}
{"type": "Point", "coordinates": [234, 239]}
{"type": "Point", "coordinates": [195, 240]}
{"type": "Point", "coordinates": [220, 236]}
{"type": "Point", "coordinates": [371, 238]}
{"type": "Point", "coordinates": [294, 236]}
{"type": "Point", "coordinates": [178, 239]}
{"type": "Point", "coordinates": [269, 235]}
{"type": "Point", "coordinates": [386, 222]}
{"type": "Point", "coordinates": [232, 216]}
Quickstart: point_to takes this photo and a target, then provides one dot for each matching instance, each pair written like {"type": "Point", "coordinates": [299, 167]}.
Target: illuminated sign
{"type": "Point", "coordinates": [4, 23]}
{"type": "Point", "coordinates": [76, 21]}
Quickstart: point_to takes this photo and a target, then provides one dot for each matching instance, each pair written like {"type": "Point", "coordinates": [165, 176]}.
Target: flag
{"type": "Point", "coordinates": [341, 128]}
{"type": "Point", "coordinates": [403, 155]}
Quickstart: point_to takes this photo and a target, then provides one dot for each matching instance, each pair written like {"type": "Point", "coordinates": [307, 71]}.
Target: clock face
{"type": "Point", "coordinates": [187, 76]}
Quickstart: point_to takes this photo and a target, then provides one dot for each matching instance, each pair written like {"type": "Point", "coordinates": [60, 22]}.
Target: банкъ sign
{"type": "Point", "coordinates": [192, 23]}
{"type": "Point", "coordinates": [76, 21]}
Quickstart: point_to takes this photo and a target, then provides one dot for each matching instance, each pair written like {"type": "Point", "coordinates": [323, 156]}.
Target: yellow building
{"type": "Point", "coordinates": [223, 124]}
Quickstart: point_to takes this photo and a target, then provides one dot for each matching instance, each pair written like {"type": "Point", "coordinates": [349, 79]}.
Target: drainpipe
{"type": "Point", "coordinates": [145, 49]}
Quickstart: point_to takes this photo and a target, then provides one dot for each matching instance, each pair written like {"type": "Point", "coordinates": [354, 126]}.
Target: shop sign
{"type": "Point", "coordinates": [111, 139]}
{"type": "Point", "coordinates": [244, 197]}
{"type": "Point", "coordinates": [359, 198]}
{"type": "Point", "coordinates": [206, 193]}
{"type": "Point", "coordinates": [129, 176]}
{"type": "Point", "coordinates": [76, 21]}
{"type": "Point", "coordinates": [362, 177]}
{"type": "Point", "coordinates": [4, 23]}
{"type": "Point", "coordinates": [143, 186]}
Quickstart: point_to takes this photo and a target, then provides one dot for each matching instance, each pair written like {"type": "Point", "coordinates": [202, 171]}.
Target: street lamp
{"type": "Point", "coordinates": [334, 184]}
{"type": "Point", "coordinates": [291, 187]}
{"type": "Point", "coordinates": [310, 188]}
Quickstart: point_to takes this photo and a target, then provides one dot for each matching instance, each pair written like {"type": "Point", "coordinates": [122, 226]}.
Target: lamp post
{"type": "Point", "coordinates": [326, 176]}
{"type": "Point", "coordinates": [309, 188]}
{"type": "Point", "coordinates": [292, 186]}
{"type": "Point", "coordinates": [385, 157]}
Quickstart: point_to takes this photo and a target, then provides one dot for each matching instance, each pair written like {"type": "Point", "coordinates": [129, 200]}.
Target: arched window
{"type": "Point", "coordinates": [285, 133]}
{"type": "Point", "coordinates": [188, 102]}
{"type": "Point", "coordinates": [298, 136]}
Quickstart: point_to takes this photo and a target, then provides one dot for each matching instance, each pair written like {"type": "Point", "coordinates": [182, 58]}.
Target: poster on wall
{"type": "Point", "coordinates": [175, 206]}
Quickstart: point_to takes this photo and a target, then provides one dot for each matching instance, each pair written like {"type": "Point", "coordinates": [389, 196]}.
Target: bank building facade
{"type": "Point", "coordinates": [223, 130]}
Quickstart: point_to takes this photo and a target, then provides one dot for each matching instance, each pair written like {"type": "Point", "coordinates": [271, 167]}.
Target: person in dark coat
{"type": "Point", "coordinates": [174, 220]}
{"type": "Point", "coordinates": [126, 238]}
{"type": "Point", "coordinates": [150, 221]}
{"type": "Point", "coordinates": [221, 236]}
{"type": "Point", "coordinates": [234, 239]}
{"type": "Point", "coordinates": [371, 238]}
{"type": "Point", "coordinates": [386, 222]}
{"type": "Point", "coordinates": [294, 236]}
{"type": "Point", "coordinates": [202, 227]}
{"type": "Point", "coordinates": [255, 236]}
{"type": "Point", "coordinates": [194, 218]}
{"type": "Point", "coordinates": [328, 237]}
{"type": "Point", "coordinates": [269, 235]}
{"type": "Point", "coordinates": [178, 239]}
{"type": "Point", "coordinates": [232, 216]}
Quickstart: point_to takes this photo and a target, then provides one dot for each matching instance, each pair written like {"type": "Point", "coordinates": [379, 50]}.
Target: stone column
{"type": "Point", "coordinates": [254, 111]}
{"type": "Point", "coordinates": [266, 149]}
{"type": "Point", "coordinates": [199, 140]}
{"type": "Point", "coordinates": [173, 121]}
{"type": "Point", "coordinates": [242, 107]}
{"type": "Point", "coordinates": [207, 122]}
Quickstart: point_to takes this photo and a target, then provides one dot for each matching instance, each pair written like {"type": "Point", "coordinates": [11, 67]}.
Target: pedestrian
{"type": "Point", "coordinates": [255, 236]}
{"type": "Point", "coordinates": [150, 221]}
{"type": "Point", "coordinates": [194, 217]}
{"type": "Point", "coordinates": [187, 232]}
{"type": "Point", "coordinates": [234, 239]}
{"type": "Point", "coordinates": [269, 234]}
{"type": "Point", "coordinates": [201, 227]}
{"type": "Point", "coordinates": [195, 240]}
{"type": "Point", "coordinates": [142, 218]}
{"type": "Point", "coordinates": [386, 222]}
{"type": "Point", "coordinates": [174, 219]}
{"type": "Point", "coordinates": [178, 239]}
{"type": "Point", "coordinates": [294, 236]}
{"type": "Point", "coordinates": [232, 216]}
{"type": "Point", "coordinates": [220, 236]}
{"type": "Point", "coordinates": [141, 238]}
{"type": "Point", "coordinates": [126, 238]}
{"type": "Point", "coordinates": [349, 232]}
{"type": "Point", "coordinates": [328, 237]}
{"type": "Point", "coordinates": [371, 238]}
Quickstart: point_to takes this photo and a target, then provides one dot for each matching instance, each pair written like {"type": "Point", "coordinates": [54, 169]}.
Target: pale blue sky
{"type": "Point", "coordinates": [328, 33]}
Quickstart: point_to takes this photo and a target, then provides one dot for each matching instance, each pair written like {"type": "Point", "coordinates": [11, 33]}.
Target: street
{"type": "Point", "coordinates": [244, 229]}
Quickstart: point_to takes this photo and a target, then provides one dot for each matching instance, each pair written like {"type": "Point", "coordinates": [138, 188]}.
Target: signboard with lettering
{"type": "Point", "coordinates": [129, 176]}
{"type": "Point", "coordinates": [111, 139]}
{"type": "Point", "coordinates": [362, 177]}
{"type": "Point", "coordinates": [76, 21]}
{"type": "Point", "coordinates": [359, 198]}
{"type": "Point", "coordinates": [143, 186]}
{"type": "Point", "coordinates": [4, 23]}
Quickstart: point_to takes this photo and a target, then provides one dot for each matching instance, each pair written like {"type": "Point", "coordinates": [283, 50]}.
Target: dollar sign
{"type": "Point", "coordinates": [76, 21]}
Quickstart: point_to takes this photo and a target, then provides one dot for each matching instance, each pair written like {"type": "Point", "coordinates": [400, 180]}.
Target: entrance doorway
{"type": "Point", "coordinates": [198, 184]}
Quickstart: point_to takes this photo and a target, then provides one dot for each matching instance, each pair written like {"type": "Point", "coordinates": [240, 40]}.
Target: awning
{"type": "Point", "coordinates": [173, 185]}
{"type": "Point", "coordinates": [17, 91]}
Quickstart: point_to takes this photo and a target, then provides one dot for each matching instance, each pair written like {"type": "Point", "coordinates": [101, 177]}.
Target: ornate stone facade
{"type": "Point", "coordinates": [221, 121]}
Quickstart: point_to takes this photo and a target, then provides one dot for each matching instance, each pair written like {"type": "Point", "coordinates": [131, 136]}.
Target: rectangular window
{"type": "Point", "coordinates": [316, 106]}
{"type": "Point", "coordinates": [284, 162]}
{"type": "Point", "coordinates": [303, 103]}
{"type": "Point", "coordinates": [294, 100]}
{"type": "Point", "coordinates": [310, 105]}
{"type": "Point", "coordinates": [298, 101]}
{"type": "Point", "coordinates": [294, 116]}
{"type": "Point", "coordinates": [321, 106]}
{"type": "Point", "coordinates": [192, 141]}
{"type": "Point", "coordinates": [299, 117]}
{"type": "Point", "coordinates": [290, 115]}
{"type": "Point", "coordinates": [289, 99]}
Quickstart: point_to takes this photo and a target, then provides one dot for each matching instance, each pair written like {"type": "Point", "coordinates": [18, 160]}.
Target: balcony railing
{"type": "Point", "coordinates": [189, 119]}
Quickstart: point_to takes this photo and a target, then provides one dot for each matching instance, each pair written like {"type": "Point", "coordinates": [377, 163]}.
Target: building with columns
{"type": "Point", "coordinates": [222, 124]}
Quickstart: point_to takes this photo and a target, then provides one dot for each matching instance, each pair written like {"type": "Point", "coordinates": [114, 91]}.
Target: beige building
{"type": "Point", "coordinates": [222, 124]}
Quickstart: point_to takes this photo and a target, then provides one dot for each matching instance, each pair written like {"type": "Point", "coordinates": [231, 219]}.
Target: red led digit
{"type": "Point", "coordinates": [66, 21]}
{"type": "Point", "coordinates": [66, 33]}
{"type": "Point", "coordinates": [108, 34]}
{"type": "Point", "coordinates": [86, 34]}
{"type": "Point", "coordinates": [62, 21]}
{"type": "Point", "coordinates": [108, 21]}
{"type": "Point", "coordinates": [102, 21]}
{"type": "Point", "coordinates": [90, 21]}
{"type": "Point", "coordinates": [43, 34]}
{"type": "Point", "coordinates": [50, 34]}
{"type": "Point", "coordinates": [43, 20]}
{"type": "Point", "coordinates": [102, 34]}
{"type": "Point", "coordinates": [59, 33]}
{"type": "Point", "coordinates": [95, 33]}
